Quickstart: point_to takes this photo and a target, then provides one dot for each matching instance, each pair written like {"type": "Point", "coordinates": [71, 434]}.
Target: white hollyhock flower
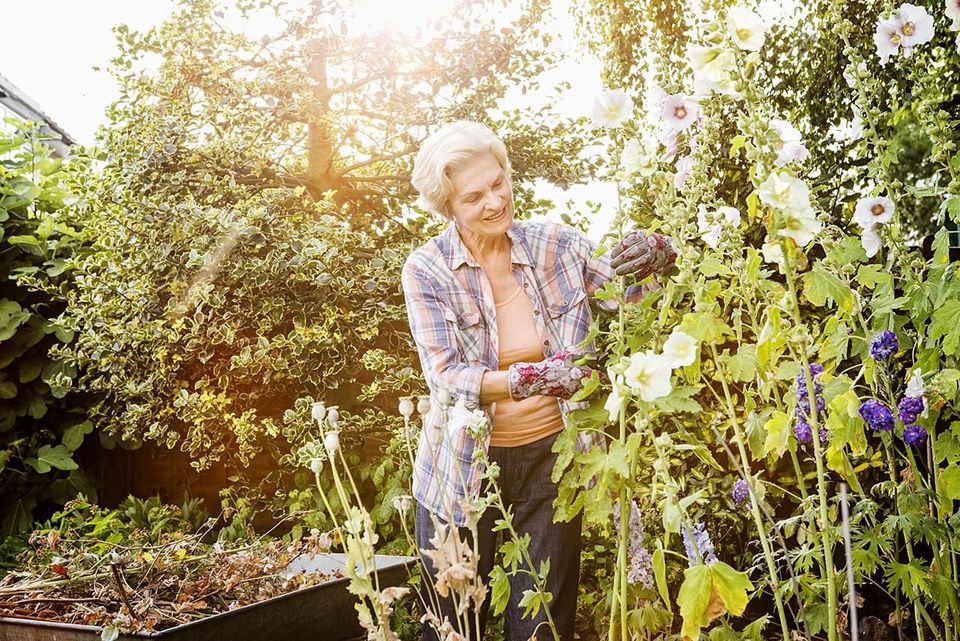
{"type": "Point", "coordinates": [917, 389]}
{"type": "Point", "coordinates": [618, 396]}
{"type": "Point", "coordinates": [671, 141]}
{"type": "Point", "coordinates": [713, 69]}
{"type": "Point", "coordinates": [952, 11]}
{"type": "Point", "coordinates": [915, 386]}
{"type": "Point", "coordinates": [461, 418]}
{"type": "Point", "coordinates": [680, 349]}
{"type": "Point", "coordinates": [711, 224]}
{"type": "Point", "coordinates": [783, 191]}
{"type": "Point", "coordinates": [788, 143]}
{"type": "Point", "coordinates": [801, 225]}
{"type": "Point", "coordinates": [684, 165]}
{"type": "Point", "coordinates": [679, 111]}
{"type": "Point", "coordinates": [773, 253]}
{"type": "Point", "coordinates": [611, 109]}
{"type": "Point", "coordinates": [887, 39]}
{"type": "Point", "coordinates": [870, 240]}
{"type": "Point", "coordinates": [636, 160]}
{"type": "Point", "coordinates": [648, 375]}
{"type": "Point", "coordinates": [916, 27]}
{"type": "Point", "coordinates": [746, 28]}
{"type": "Point", "coordinates": [910, 26]}
{"type": "Point", "coordinates": [873, 211]}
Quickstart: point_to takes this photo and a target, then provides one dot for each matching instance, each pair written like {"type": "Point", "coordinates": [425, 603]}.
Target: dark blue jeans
{"type": "Point", "coordinates": [526, 487]}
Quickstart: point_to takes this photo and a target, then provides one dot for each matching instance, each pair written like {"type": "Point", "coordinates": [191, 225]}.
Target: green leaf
{"type": "Point", "coordinates": [743, 365]}
{"type": "Point", "coordinates": [532, 601]}
{"type": "Point", "coordinates": [693, 599]}
{"type": "Point", "coordinates": [660, 574]}
{"type": "Point", "coordinates": [704, 326]}
{"type": "Point", "coordinates": [736, 143]}
{"type": "Point", "coordinates": [731, 586]}
{"type": "Point", "coordinates": [949, 483]}
{"type": "Point", "coordinates": [778, 434]}
{"type": "Point", "coordinates": [946, 323]}
{"type": "Point", "coordinates": [110, 633]}
{"type": "Point", "coordinates": [713, 266]}
{"type": "Point", "coordinates": [821, 287]}
{"type": "Point", "coordinates": [73, 435]}
{"type": "Point", "coordinates": [49, 457]}
{"type": "Point", "coordinates": [679, 400]}
{"type": "Point", "coordinates": [500, 588]}
{"type": "Point", "coordinates": [8, 390]}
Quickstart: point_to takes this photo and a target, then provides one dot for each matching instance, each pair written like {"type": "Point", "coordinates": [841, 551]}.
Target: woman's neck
{"type": "Point", "coordinates": [485, 249]}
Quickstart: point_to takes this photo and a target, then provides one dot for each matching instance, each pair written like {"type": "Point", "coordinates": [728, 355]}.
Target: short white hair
{"type": "Point", "coordinates": [447, 149]}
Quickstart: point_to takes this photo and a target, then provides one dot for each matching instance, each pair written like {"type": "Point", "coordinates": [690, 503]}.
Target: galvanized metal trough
{"type": "Point", "coordinates": [319, 613]}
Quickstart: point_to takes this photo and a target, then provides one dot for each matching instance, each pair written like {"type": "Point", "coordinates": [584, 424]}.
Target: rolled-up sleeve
{"type": "Point", "coordinates": [597, 271]}
{"type": "Point", "coordinates": [436, 339]}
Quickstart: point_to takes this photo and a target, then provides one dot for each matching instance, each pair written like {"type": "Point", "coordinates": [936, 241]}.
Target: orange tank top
{"type": "Point", "coordinates": [525, 421]}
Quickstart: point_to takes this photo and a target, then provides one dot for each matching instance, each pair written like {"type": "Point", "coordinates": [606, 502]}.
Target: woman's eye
{"type": "Point", "coordinates": [497, 184]}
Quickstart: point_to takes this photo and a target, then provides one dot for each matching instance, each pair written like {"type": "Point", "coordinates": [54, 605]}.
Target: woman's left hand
{"type": "Point", "coordinates": [643, 254]}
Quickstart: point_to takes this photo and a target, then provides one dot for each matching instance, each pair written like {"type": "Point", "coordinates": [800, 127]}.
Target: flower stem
{"type": "Point", "coordinates": [826, 535]}
{"type": "Point", "coordinates": [754, 507]}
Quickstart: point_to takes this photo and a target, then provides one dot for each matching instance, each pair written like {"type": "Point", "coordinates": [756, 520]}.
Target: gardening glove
{"type": "Point", "coordinates": [643, 254]}
{"type": "Point", "coordinates": [557, 376]}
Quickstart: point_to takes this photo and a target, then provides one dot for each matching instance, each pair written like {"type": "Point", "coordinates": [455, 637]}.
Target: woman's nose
{"type": "Point", "coordinates": [494, 201]}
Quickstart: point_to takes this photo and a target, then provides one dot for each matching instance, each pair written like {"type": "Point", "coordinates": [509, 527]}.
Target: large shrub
{"type": "Point", "coordinates": [40, 425]}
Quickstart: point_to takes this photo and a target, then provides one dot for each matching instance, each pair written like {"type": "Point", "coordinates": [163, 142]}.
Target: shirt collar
{"type": "Point", "coordinates": [456, 253]}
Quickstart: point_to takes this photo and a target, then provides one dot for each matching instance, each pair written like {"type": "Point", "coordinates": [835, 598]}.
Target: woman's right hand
{"type": "Point", "coordinates": [556, 375]}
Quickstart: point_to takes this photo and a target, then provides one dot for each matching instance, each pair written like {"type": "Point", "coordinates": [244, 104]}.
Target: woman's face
{"type": "Point", "coordinates": [481, 201]}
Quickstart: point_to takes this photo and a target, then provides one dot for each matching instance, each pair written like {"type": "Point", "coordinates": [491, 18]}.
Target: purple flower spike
{"type": "Point", "coordinates": [910, 408]}
{"type": "Point", "coordinates": [704, 545]}
{"type": "Point", "coordinates": [741, 492]}
{"type": "Point", "coordinates": [883, 345]}
{"type": "Point", "coordinates": [915, 436]}
{"type": "Point", "coordinates": [877, 415]}
{"type": "Point", "coordinates": [803, 432]}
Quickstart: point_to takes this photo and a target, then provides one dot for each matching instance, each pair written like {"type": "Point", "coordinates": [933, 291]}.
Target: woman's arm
{"type": "Point", "coordinates": [494, 387]}
{"type": "Point", "coordinates": [436, 340]}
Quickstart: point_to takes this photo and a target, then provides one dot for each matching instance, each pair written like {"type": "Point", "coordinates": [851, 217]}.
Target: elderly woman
{"type": "Point", "coordinates": [495, 305]}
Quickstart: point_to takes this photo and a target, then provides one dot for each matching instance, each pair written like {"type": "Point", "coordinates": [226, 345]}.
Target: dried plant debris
{"type": "Point", "coordinates": [93, 566]}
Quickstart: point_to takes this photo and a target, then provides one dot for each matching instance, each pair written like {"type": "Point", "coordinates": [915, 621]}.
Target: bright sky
{"type": "Point", "coordinates": [50, 55]}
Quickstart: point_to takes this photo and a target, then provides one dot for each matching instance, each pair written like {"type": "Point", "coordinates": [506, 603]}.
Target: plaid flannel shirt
{"type": "Point", "coordinates": [452, 318]}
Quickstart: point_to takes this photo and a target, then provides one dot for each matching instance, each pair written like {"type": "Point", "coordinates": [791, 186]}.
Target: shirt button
{"type": "Point", "coordinates": [526, 285]}
{"type": "Point", "coordinates": [536, 312]}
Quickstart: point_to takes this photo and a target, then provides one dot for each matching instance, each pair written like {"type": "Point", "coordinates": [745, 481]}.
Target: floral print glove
{"type": "Point", "coordinates": [643, 254]}
{"type": "Point", "coordinates": [556, 376]}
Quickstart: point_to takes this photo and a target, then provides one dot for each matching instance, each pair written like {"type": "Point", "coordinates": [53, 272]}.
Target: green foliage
{"type": "Point", "coordinates": [40, 427]}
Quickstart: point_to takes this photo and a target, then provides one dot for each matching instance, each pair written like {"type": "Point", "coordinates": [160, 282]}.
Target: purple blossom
{"type": "Point", "coordinates": [804, 432]}
{"type": "Point", "coordinates": [698, 541]}
{"type": "Point", "coordinates": [640, 571]}
{"type": "Point", "coordinates": [815, 370]}
{"type": "Point", "coordinates": [883, 345]}
{"type": "Point", "coordinates": [915, 436]}
{"type": "Point", "coordinates": [877, 415]}
{"type": "Point", "coordinates": [910, 408]}
{"type": "Point", "coordinates": [741, 492]}
{"type": "Point", "coordinates": [802, 408]}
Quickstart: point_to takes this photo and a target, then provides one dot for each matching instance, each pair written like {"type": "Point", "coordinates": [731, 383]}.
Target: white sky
{"type": "Point", "coordinates": [49, 49]}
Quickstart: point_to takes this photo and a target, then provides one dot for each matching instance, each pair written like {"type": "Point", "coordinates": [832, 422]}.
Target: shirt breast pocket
{"type": "Point", "coordinates": [569, 313]}
{"type": "Point", "coordinates": [470, 332]}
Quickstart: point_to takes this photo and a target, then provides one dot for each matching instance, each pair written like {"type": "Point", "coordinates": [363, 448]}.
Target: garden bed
{"type": "Point", "coordinates": [320, 611]}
